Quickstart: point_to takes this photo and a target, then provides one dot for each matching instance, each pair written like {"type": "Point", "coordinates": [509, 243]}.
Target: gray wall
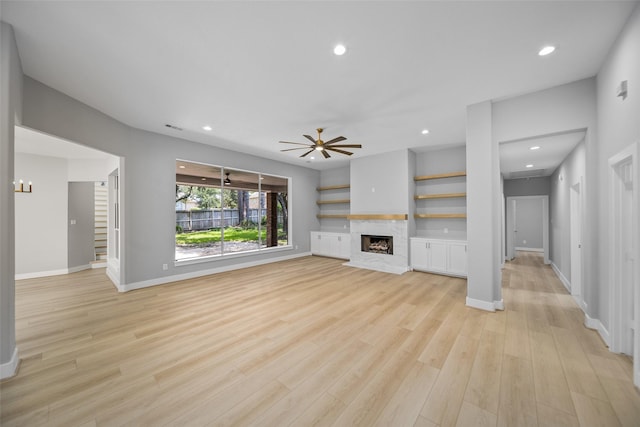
{"type": "Point", "coordinates": [81, 235]}
{"type": "Point", "coordinates": [149, 180]}
{"type": "Point", "coordinates": [571, 171]}
{"type": "Point", "coordinates": [529, 223]}
{"type": "Point", "coordinates": [539, 186]}
{"type": "Point", "coordinates": [10, 115]}
{"type": "Point", "coordinates": [618, 127]}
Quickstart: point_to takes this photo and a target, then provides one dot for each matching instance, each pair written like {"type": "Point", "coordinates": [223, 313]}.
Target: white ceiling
{"type": "Point", "coordinates": [260, 72]}
{"type": "Point", "coordinates": [553, 149]}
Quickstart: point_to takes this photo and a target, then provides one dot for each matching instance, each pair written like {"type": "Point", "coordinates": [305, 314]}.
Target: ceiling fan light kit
{"type": "Point", "coordinates": [323, 146]}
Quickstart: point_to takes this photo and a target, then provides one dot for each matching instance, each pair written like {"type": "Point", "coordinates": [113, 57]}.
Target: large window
{"type": "Point", "coordinates": [220, 211]}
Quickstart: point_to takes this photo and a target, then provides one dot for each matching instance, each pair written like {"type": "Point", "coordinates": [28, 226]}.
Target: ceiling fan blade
{"type": "Point", "coordinates": [310, 138]}
{"type": "Point", "coordinates": [338, 151]}
{"type": "Point", "coordinates": [334, 140]}
{"type": "Point", "coordinates": [301, 148]}
{"type": "Point", "coordinates": [325, 154]}
{"type": "Point", "coordinates": [348, 145]}
{"type": "Point", "coordinates": [308, 152]}
{"type": "Point", "coordinates": [296, 143]}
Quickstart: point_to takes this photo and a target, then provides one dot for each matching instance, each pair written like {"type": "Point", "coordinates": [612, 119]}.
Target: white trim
{"type": "Point", "coordinates": [229, 255]}
{"type": "Point", "coordinates": [9, 369]}
{"type": "Point", "coordinates": [499, 305]}
{"type": "Point", "coordinates": [177, 277]}
{"type": "Point", "coordinates": [561, 276]}
{"type": "Point", "coordinates": [99, 264]}
{"type": "Point", "coordinates": [482, 305]}
{"type": "Point", "coordinates": [37, 274]}
{"type": "Point", "coordinates": [595, 324]}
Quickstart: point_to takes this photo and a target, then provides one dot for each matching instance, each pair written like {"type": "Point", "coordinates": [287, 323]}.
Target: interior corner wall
{"type": "Point", "coordinates": [571, 171]}
{"type": "Point", "coordinates": [149, 184]}
{"type": "Point", "coordinates": [11, 82]}
{"type": "Point", "coordinates": [618, 128]}
{"type": "Point", "coordinates": [41, 216]}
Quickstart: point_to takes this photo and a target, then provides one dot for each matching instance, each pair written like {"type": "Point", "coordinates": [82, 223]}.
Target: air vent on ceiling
{"type": "Point", "coordinates": [173, 127]}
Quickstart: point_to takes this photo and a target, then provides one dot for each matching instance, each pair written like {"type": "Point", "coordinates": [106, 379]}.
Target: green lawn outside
{"type": "Point", "coordinates": [212, 236]}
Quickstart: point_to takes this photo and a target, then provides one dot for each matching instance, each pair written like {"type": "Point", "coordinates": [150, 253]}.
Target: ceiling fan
{"type": "Point", "coordinates": [323, 146]}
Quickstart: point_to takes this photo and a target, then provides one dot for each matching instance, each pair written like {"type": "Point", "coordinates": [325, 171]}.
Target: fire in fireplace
{"type": "Point", "coordinates": [376, 244]}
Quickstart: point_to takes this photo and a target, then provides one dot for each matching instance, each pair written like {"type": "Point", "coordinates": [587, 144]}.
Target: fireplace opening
{"type": "Point", "coordinates": [376, 244]}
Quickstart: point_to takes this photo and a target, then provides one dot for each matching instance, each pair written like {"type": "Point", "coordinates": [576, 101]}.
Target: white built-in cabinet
{"type": "Point", "coordinates": [335, 245]}
{"type": "Point", "coordinates": [439, 256]}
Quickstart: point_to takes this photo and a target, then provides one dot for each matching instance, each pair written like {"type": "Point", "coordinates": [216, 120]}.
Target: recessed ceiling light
{"type": "Point", "coordinates": [203, 179]}
{"type": "Point", "coordinates": [425, 131]}
{"type": "Point", "coordinates": [182, 166]}
{"type": "Point", "coordinates": [546, 50]}
{"type": "Point", "coordinates": [535, 147]}
{"type": "Point", "coordinates": [312, 158]}
{"type": "Point", "coordinates": [529, 166]}
{"type": "Point", "coordinates": [339, 49]}
{"type": "Point", "coordinates": [207, 128]}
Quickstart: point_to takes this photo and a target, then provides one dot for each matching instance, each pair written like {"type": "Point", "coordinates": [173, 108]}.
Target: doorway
{"type": "Point", "coordinates": [623, 248]}
{"type": "Point", "coordinates": [527, 225]}
{"type": "Point", "coordinates": [576, 241]}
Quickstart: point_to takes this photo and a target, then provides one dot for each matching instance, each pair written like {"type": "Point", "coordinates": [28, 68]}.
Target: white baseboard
{"type": "Point", "coordinates": [37, 274]}
{"type": "Point", "coordinates": [499, 305]}
{"type": "Point", "coordinates": [177, 277]}
{"type": "Point", "coordinates": [597, 325]}
{"type": "Point", "coordinates": [482, 305]}
{"type": "Point", "coordinates": [561, 276]}
{"type": "Point", "coordinates": [9, 369]}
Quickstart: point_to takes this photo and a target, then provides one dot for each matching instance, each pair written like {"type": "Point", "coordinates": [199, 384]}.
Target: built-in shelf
{"type": "Point", "coordinates": [341, 216]}
{"type": "Point", "coordinates": [439, 175]}
{"type": "Point", "coordinates": [333, 187]}
{"type": "Point", "coordinates": [366, 217]}
{"type": "Point", "coordinates": [439, 196]}
{"type": "Point", "coordinates": [333, 202]}
{"type": "Point", "coordinates": [443, 215]}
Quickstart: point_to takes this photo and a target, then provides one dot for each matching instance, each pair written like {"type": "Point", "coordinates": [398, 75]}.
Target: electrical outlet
{"type": "Point", "coordinates": [446, 230]}
{"type": "Point", "coordinates": [296, 247]}
{"type": "Point", "coordinates": [524, 242]}
{"type": "Point", "coordinates": [165, 266]}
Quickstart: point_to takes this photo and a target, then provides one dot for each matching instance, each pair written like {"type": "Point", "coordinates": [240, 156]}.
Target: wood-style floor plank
{"type": "Point", "coordinates": [311, 342]}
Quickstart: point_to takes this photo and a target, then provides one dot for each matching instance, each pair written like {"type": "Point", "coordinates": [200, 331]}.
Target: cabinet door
{"type": "Point", "coordinates": [344, 245]}
{"type": "Point", "coordinates": [419, 254]}
{"type": "Point", "coordinates": [437, 255]}
{"type": "Point", "coordinates": [458, 258]}
{"type": "Point", "coordinates": [315, 243]}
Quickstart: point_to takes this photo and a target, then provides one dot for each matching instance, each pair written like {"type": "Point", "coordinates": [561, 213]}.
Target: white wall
{"type": "Point", "coordinates": [95, 170]}
{"type": "Point", "coordinates": [41, 216]}
{"type": "Point", "coordinates": [11, 82]}
{"type": "Point", "coordinates": [529, 223]}
{"type": "Point", "coordinates": [380, 183]}
{"type": "Point", "coordinates": [618, 127]}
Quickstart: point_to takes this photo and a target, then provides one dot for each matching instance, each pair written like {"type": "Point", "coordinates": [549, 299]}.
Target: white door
{"type": "Point", "coordinates": [624, 273]}
{"type": "Point", "coordinates": [576, 241]}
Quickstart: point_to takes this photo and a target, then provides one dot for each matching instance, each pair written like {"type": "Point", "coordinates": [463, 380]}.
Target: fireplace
{"type": "Point", "coordinates": [376, 244]}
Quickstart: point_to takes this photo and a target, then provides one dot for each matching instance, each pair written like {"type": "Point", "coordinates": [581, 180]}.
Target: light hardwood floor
{"type": "Point", "coordinates": [311, 342]}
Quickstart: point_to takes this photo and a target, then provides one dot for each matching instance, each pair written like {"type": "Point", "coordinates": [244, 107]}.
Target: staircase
{"type": "Point", "coordinates": [100, 228]}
